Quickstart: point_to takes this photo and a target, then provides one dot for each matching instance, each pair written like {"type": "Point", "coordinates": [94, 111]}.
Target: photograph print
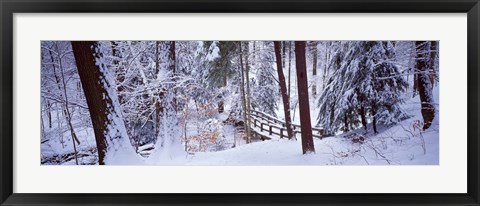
{"type": "Point", "coordinates": [244, 103]}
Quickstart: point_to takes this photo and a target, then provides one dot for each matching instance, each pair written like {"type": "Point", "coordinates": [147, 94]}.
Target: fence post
{"type": "Point", "coordinates": [261, 127]}
{"type": "Point", "coordinates": [270, 130]}
{"type": "Point", "coordinates": [281, 133]}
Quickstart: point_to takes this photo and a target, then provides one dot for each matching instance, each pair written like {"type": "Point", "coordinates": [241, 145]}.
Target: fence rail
{"type": "Point", "coordinates": [277, 127]}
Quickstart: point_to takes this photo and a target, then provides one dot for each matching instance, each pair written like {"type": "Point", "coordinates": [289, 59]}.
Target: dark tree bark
{"type": "Point", "coordinates": [415, 82]}
{"type": "Point", "coordinates": [345, 121]}
{"type": "Point", "coordinates": [433, 56]}
{"type": "Point", "coordinates": [374, 117]}
{"type": "Point", "coordinates": [173, 68]}
{"type": "Point", "coordinates": [172, 57]}
{"type": "Point", "coordinates": [284, 52]}
{"type": "Point", "coordinates": [102, 106]}
{"type": "Point", "coordinates": [332, 117]}
{"type": "Point", "coordinates": [254, 53]}
{"type": "Point", "coordinates": [158, 103]}
{"type": "Point", "coordinates": [302, 85]}
{"type": "Point", "coordinates": [157, 59]}
{"type": "Point", "coordinates": [314, 69]}
{"type": "Point", "coordinates": [49, 114]}
{"type": "Point", "coordinates": [363, 118]}
{"type": "Point", "coordinates": [57, 78]}
{"type": "Point", "coordinates": [289, 67]}
{"type": "Point", "coordinates": [424, 88]}
{"type": "Point", "coordinates": [283, 90]}
{"type": "Point", "coordinates": [361, 110]}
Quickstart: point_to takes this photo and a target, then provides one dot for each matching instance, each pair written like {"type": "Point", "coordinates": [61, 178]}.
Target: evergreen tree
{"type": "Point", "coordinates": [265, 93]}
{"type": "Point", "coordinates": [332, 90]}
{"type": "Point", "coordinates": [365, 80]}
{"type": "Point", "coordinates": [221, 67]}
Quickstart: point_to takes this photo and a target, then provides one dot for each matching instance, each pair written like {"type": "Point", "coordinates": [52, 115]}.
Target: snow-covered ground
{"type": "Point", "coordinates": [402, 144]}
{"type": "Point", "coordinates": [199, 135]}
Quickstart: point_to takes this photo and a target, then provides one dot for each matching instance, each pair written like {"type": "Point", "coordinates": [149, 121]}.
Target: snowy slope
{"type": "Point", "coordinates": [402, 144]}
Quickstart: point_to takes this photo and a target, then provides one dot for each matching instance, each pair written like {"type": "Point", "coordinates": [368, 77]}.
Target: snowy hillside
{"type": "Point", "coordinates": [240, 103]}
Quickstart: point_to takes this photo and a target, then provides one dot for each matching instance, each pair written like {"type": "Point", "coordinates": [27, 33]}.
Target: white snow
{"type": "Point", "coordinates": [217, 142]}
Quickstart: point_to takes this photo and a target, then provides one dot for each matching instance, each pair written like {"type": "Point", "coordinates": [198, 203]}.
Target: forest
{"type": "Point", "coordinates": [239, 103]}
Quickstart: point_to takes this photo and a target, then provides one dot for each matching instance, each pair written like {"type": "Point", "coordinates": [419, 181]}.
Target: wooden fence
{"type": "Point", "coordinates": [277, 127]}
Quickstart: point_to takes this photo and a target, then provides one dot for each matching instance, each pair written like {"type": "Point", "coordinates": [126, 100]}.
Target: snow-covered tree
{"type": "Point", "coordinates": [265, 91]}
{"type": "Point", "coordinates": [327, 102]}
{"type": "Point", "coordinates": [110, 132]}
{"type": "Point", "coordinates": [365, 80]}
{"type": "Point", "coordinates": [424, 83]}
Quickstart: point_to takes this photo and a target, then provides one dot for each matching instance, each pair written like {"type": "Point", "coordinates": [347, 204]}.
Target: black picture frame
{"type": "Point", "coordinates": [9, 7]}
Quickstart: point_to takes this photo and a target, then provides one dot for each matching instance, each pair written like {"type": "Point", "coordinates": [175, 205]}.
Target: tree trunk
{"type": "Point", "coordinates": [173, 68]}
{"type": "Point", "coordinates": [42, 127]}
{"type": "Point", "coordinates": [332, 117]}
{"type": "Point", "coordinates": [284, 55]}
{"type": "Point", "coordinates": [289, 68]}
{"type": "Point", "coordinates": [415, 75]}
{"type": "Point", "coordinates": [361, 101]}
{"type": "Point", "coordinates": [171, 58]}
{"type": "Point", "coordinates": [374, 118]}
{"type": "Point", "coordinates": [325, 69]}
{"type": "Point", "coordinates": [415, 82]}
{"type": "Point", "coordinates": [247, 78]}
{"type": "Point", "coordinates": [314, 69]}
{"type": "Point", "coordinates": [424, 88]}
{"type": "Point", "coordinates": [302, 85]}
{"type": "Point", "coordinates": [49, 114]}
{"type": "Point", "coordinates": [433, 57]}
{"type": "Point", "coordinates": [57, 78]}
{"type": "Point", "coordinates": [64, 93]}
{"type": "Point", "coordinates": [345, 121]}
{"type": "Point", "coordinates": [363, 118]}
{"type": "Point", "coordinates": [103, 105]}
{"type": "Point", "coordinates": [283, 91]}
{"type": "Point", "coordinates": [120, 77]}
{"type": "Point", "coordinates": [158, 103]}
{"type": "Point", "coordinates": [157, 64]}
{"type": "Point", "coordinates": [67, 110]}
{"type": "Point", "coordinates": [242, 91]}
{"type": "Point", "coordinates": [254, 53]}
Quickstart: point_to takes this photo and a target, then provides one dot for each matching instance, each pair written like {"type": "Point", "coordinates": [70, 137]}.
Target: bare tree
{"type": "Point", "coordinates": [62, 86]}
{"type": "Point", "coordinates": [68, 113]}
{"type": "Point", "coordinates": [283, 90]}
{"type": "Point", "coordinates": [302, 86]}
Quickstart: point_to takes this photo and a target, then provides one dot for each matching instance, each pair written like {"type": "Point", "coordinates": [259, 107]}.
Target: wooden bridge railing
{"type": "Point", "coordinates": [277, 127]}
